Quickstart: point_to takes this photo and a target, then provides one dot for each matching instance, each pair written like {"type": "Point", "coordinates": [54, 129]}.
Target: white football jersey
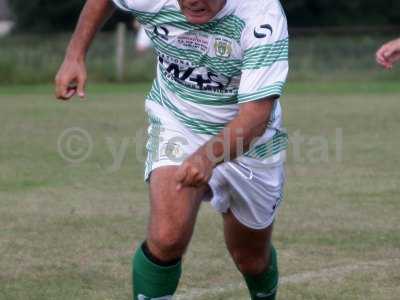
{"type": "Point", "coordinates": [205, 72]}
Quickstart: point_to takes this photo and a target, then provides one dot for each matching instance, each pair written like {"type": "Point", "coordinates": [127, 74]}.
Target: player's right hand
{"type": "Point", "coordinates": [388, 54]}
{"type": "Point", "coordinates": [71, 79]}
{"type": "Point", "coordinates": [195, 171]}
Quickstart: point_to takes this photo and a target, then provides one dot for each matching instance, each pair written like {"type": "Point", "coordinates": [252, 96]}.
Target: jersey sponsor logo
{"type": "Point", "coordinates": [162, 32]}
{"type": "Point", "coordinates": [199, 78]}
{"type": "Point", "coordinates": [261, 31]}
{"type": "Point", "coordinates": [223, 48]}
{"type": "Point", "coordinates": [143, 297]}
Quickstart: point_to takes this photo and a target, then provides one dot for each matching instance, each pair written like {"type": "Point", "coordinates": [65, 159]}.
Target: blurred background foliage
{"type": "Point", "coordinates": [53, 15]}
{"type": "Point", "coordinates": [58, 15]}
{"type": "Point", "coordinates": [330, 40]}
{"type": "Point", "coordinates": [309, 13]}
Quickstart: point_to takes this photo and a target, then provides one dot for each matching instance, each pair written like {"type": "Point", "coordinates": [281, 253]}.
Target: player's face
{"type": "Point", "coordinates": [200, 11]}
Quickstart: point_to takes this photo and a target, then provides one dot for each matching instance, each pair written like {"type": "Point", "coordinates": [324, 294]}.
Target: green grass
{"type": "Point", "coordinates": [68, 231]}
{"type": "Point", "coordinates": [295, 87]}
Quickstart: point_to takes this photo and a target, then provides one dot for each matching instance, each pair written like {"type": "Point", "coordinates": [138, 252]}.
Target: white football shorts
{"type": "Point", "coordinates": [251, 188]}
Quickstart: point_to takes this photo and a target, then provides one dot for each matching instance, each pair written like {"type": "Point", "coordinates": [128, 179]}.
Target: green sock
{"type": "Point", "coordinates": [265, 285]}
{"type": "Point", "coordinates": [151, 281]}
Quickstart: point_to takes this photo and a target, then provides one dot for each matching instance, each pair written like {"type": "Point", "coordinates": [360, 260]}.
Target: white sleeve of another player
{"type": "Point", "coordinates": [265, 45]}
{"type": "Point", "coordinates": [143, 42]}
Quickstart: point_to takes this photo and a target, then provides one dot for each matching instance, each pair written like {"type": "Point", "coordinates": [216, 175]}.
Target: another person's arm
{"type": "Point", "coordinates": [71, 77]}
{"type": "Point", "coordinates": [389, 54]}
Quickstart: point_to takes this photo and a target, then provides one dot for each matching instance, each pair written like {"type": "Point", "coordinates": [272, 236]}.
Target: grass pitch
{"type": "Point", "coordinates": [68, 230]}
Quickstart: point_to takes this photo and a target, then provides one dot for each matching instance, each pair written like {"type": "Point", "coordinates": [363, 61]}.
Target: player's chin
{"type": "Point", "coordinates": [198, 19]}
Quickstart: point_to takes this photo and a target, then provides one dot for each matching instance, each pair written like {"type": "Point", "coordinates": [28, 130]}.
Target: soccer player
{"type": "Point", "coordinates": [215, 129]}
{"type": "Point", "coordinates": [389, 54]}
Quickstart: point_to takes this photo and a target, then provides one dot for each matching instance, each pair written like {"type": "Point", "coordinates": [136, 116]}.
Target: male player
{"type": "Point", "coordinates": [389, 54]}
{"type": "Point", "coordinates": [215, 129]}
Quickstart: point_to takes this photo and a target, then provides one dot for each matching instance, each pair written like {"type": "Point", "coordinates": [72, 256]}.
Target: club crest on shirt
{"type": "Point", "coordinates": [174, 149]}
{"type": "Point", "coordinates": [223, 48]}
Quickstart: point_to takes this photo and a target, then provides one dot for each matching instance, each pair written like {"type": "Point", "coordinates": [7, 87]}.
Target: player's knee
{"type": "Point", "coordinates": [249, 264]}
{"type": "Point", "coordinates": [169, 244]}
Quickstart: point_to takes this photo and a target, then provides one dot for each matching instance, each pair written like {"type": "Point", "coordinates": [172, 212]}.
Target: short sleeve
{"type": "Point", "coordinates": [265, 66]}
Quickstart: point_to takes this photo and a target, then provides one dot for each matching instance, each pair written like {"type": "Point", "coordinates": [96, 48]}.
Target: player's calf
{"type": "Point", "coordinates": [153, 279]}
{"type": "Point", "coordinates": [259, 271]}
{"type": "Point", "coordinates": [254, 256]}
{"type": "Point", "coordinates": [248, 263]}
{"type": "Point", "coordinates": [264, 286]}
{"type": "Point", "coordinates": [157, 263]}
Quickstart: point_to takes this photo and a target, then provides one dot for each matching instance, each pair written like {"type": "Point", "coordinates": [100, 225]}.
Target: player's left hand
{"type": "Point", "coordinates": [195, 171]}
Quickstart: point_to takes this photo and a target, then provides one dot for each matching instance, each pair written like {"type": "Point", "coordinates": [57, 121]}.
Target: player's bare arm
{"type": "Point", "coordinates": [249, 124]}
{"type": "Point", "coordinates": [71, 77]}
{"type": "Point", "coordinates": [389, 54]}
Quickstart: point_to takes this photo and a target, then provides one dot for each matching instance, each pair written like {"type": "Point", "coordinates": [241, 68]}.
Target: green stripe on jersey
{"type": "Point", "coordinates": [196, 125]}
{"type": "Point", "coordinates": [229, 26]}
{"type": "Point", "coordinates": [278, 143]}
{"type": "Point", "coordinates": [266, 55]}
{"type": "Point", "coordinates": [199, 97]}
{"type": "Point", "coordinates": [273, 146]}
{"type": "Point", "coordinates": [271, 90]}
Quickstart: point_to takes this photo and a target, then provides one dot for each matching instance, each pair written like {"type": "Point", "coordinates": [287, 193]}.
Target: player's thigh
{"type": "Point", "coordinates": [172, 213]}
{"type": "Point", "coordinates": [244, 242]}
